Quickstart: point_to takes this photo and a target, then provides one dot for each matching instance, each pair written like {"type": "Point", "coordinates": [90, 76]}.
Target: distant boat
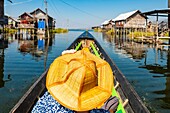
{"type": "Point", "coordinates": [129, 101]}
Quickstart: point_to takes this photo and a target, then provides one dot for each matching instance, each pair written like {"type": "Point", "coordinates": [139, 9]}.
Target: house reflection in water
{"type": "Point", "coordinates": [165, 71]}
{"type": "Point", "coordinates": [35, 46]}
{"type": "Point", "coordinates": [137, 51]}
{"type": "Point", "coordinates": [157, 62]}
{"type": "Point", "coordinates": [40, 44]}
{"type": "Point", "coordinates": [126, 46]}
{"type": "Point", "coordinates": [108, 38]}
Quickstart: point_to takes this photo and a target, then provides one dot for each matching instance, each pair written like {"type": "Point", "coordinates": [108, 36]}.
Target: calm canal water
{"type": "Point", "coordinates": [145, 66]}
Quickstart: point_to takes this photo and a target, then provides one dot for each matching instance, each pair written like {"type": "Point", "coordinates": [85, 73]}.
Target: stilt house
{"type": "Point", "coordinates": [41, 17]}
{"type": "Point", "coordinates": [107, 25]}
{"type": "Point", "coordinates": [36, 20]}
{"type": "Point", "coordinates": [130, 20]}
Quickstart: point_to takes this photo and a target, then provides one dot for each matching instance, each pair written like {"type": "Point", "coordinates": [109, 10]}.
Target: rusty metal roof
{"type": "Point", "coordinates": [161, 12]}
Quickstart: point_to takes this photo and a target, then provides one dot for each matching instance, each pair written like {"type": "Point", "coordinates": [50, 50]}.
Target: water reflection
{"type": "Point", "coordinates": [35, 45]}
{"type": "Point", "coordinates": [3, 45]}
{"type": "Point", "coordinates": [126, 46]}
{"type": "Point", "coordinates": [165, 71]}
{"type": "Point", "coordinates": [155, 60]}
{"type": "Point", "coordinates": [1, 66]}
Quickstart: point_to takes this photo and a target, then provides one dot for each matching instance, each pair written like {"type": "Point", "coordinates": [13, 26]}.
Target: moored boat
{"type": "Point", "coordinates": [129, 101]}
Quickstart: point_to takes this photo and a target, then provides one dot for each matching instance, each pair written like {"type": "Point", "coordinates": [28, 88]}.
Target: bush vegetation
{"type": "Point", "coordinates": [110, 32]}
{"type": "Point", "coordinates": [97, 30]}
{"type": "Point", "coordinates": [140, 34]}
{"type": "Point", "coordinates": [8, 30]}
{"type": "Point", "coordinates": [59, 30]}
{"type": "Point", "coordinates": [166, 34]}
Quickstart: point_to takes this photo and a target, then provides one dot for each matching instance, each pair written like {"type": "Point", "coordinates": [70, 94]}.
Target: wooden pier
{"type": "Point", "coordinates": [163, 37]}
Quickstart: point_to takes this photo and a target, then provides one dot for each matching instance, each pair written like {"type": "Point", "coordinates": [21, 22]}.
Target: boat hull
{"type": "Point", "coordinates": [124, 89]}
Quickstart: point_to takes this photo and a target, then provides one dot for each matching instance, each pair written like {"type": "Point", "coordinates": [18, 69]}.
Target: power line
{"type": "Point", "coordinates": [55, 9]}
{"type": "Point", "coordinates": [82, 10]}
{"type": "Point", "coordinates": [53, 6]}
{"type": "Point", "coordinates": [10, 1]}
{"type": "Point", "coordinates": [17, 3]}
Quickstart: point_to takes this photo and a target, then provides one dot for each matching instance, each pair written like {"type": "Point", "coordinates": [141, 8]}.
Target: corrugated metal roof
{"type": "Point", "coordinates": [27, 14]}
{"type": "Point", "coordinates": [38, 9]}
{"type": "Point", "coordinates": [105, 22]}
{"type": "Point", "coordinates": [124, 16]}
{"type": "Point", "coordinates": [15, 19]}
{"type": "Point", "coordinates": [30, 15]}
{"type": "Point", "coordinates": [161, 11]}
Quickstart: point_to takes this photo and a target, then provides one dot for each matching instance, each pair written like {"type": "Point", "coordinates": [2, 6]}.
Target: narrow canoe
{"type": "Point", "coordinates": [129, 100]}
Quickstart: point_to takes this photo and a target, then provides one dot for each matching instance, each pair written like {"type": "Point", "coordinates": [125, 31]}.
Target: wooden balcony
{"type": "Point", "coordinates": [25, 26]}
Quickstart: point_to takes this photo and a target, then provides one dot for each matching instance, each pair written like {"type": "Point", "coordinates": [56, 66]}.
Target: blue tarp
{"type": "Point", "coordinates": [41, 24]}
{"type": "Point", "coordinates": [40, 44]}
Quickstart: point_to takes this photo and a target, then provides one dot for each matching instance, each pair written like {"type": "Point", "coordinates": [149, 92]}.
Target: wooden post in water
{"type": "Point", "coordinates": [169, 20]}
{"type": "Point", "coordinates": [2, 13]}
{"type": "Point", "coordinates": [45, 1]}
{"type": "Point", "coordinates": [146, 26]}
{"type": "Point", "coordinates": [48, 36]}
{"type": "Point", "coordinates": [157, 28]}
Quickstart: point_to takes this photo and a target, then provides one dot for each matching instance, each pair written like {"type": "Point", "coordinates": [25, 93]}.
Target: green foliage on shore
{"type": "Point", "coordinates": [167, 34]}
{"type": "Point", "coordinates": [8, 30]}
{"type": "Point", "coordinates": [140, 34]}
{"type": "Point", "coordinates": [109, 32]}
{"type": "Point", "coordinates": [59, 30]}
{"type": "Point", "coordinates": [97, 30]}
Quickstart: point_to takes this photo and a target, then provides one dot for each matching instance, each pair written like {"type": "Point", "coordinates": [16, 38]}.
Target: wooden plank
{"type": "Point", "coordinates": [163, 37]}
{"type": "Point", "coordinates": [164, 45]}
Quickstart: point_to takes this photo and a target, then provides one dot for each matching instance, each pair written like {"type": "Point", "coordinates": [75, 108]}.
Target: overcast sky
{"type": "Point", "coordinates": [82, 13]}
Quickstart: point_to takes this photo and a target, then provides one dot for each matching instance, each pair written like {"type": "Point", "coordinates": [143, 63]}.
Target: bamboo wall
{"type": "Point", "coordinates": [137, 21]}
